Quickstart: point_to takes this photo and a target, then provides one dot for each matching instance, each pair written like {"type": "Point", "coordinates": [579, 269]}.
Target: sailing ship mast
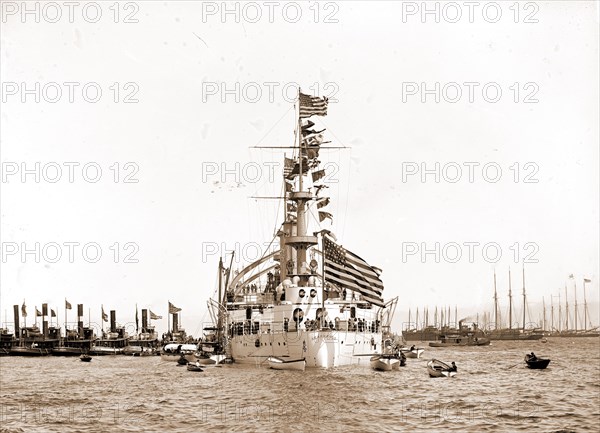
{"type": "Point", "coordinates": [551, 313]}
{"type": "Point", "coordinates": [495, 303]}
{"type": "Point", "coordinates": [559, 313]}
{"type": "Point", "coordinates": [566, 309]}
{"type": "Point", "coordinates": [585, 307]}
{"type": "Point", "coordinates": [509, 300]}
{"type": "Point", "coordinates": [544, 314]}
{"type": "Point", "coordinates": [524, 299]}
{"type": "Point", "coordinates": [575, 286]}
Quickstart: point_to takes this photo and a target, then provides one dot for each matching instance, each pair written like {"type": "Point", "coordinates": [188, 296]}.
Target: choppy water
{"type": "Point", "coordinates": [114, 394]}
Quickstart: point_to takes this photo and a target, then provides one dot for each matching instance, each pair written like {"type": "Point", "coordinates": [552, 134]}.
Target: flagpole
{"type": "Point", "coordinates": [168, 318]}
{"type": "Point", "coordinates": [65, 318]}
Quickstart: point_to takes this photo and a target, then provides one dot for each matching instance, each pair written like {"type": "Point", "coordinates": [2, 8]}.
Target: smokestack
{"type": "Point", "coordinates": [113, 321]}
{"type": "Point", "coordinates": [45, 327]}
{"type": "Point", "coordinates": [144, 319]}
{"type": "Point", "coordinates": [79, 311]}
{"type": "Point", "coordinates": [17, 327]}
{"type": "Point", "coordinates": [44, 310]}
{"type": "Point", "coordinates": [175, 322]}
{"type": "Point", "coordinates": [80, 328]}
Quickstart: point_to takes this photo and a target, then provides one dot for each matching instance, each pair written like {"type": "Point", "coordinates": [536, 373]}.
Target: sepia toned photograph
{"type": "Point", "coordinates": [323, 216]}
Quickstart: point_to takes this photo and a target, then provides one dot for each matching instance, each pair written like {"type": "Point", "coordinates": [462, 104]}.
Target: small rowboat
{"type": "Point", "coordinates": [85, 357]}
{"type": "Point", "coordinates": [385, 362]}
{"type": "Point", "coordinates": [277, 363]}
{"type": "Point", "coordinates": [413, 353]}
{"type": "Point", "coordinates": [437, 368]}
{"type": "Point", "coordinates": [536, 363]}
{"type": "Point", "coordinates": [194, 367]}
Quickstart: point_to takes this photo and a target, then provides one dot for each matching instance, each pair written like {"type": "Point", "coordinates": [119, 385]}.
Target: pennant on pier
{"type": "Point", "coordinates": [312, 105]}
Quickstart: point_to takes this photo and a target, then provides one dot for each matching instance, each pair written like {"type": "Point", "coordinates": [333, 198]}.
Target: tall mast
{"type": "Point", "coordinates": [509, 300]}
{"type": "Point", "coordinates": [495, 303]}
{"type": "Point", "coordinates": [566, 309]}
{"type": "Point", "coordinates": [409, 320]}
{"type": "Point", "coordinates": [551, 313]}
{"type": "Point", "coordinates": [300, 241]}
{"type": "Point", "coordinates": [575, 314]}
{"type": "Point", "coordinates": [524, 298]}
{"type": "Point", "coordinates": [559, 313]}
{"type": "Point", "coordinates": [417, 319]}
{"type": "Point", "coordinates": [219, 324]}
{"type": "Point", "coordinates": [585, 308]}
{"type": "Point", "coordinates": [544, 316]}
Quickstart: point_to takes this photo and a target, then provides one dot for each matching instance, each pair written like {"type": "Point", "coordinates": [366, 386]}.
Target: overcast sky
{"type": "Point", "coordinates": [187, 91]}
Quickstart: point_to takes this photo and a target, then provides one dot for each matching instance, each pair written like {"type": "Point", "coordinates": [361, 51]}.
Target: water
{"type": "Point", "coordinates": [118, 393]}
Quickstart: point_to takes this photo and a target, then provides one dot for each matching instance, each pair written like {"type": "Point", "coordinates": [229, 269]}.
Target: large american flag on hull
{"type": "Point", "coordinates": [347, 270]}
{"type": "Point", "coordinates": [312, 105]}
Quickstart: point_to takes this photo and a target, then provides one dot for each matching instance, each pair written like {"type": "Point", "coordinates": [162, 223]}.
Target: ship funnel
{"type": "Point", "coordinates": [144, 319]}
{"type": "Point", "coordinates": [113, 321]}
{"type": "Point", "coordinates": [16, 311]}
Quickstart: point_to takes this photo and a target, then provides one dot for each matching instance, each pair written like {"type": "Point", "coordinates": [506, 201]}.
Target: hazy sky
{"type": "Point", "coordinates": [187, 91]}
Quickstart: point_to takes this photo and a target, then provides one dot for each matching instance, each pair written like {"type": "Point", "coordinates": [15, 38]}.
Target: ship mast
{"type": "Point", "coordinates": [559, 313]}
{"type": "Point", "coordinates": [509, 301]}
{"type": "Point", "coordinates": [524, 299]}
{"type": "Point", "coordinates": [551, 313]}
{"type": "Point", "coordinates": [585, 308]}
{"type": "Point", "coordinates": [575, 314]}
{"type": "Point", "coordinates": [544, 316]}
{"type": "Point", "coordinates": [495, 303]}
{"type": "Point", "coordinates": [417, 319]}
{"type": "Point", "coordinates": [566, 309]}
{"type": "Point", "coordinates": [300, 241]}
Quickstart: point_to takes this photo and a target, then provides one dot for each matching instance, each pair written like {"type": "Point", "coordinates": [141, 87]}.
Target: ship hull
{"type": "Point", "coordinates": [320, 349]}
{"type": "Point", "coordinates": [29, 351]}
{"type": "Point", "coordinates": [514, 336]}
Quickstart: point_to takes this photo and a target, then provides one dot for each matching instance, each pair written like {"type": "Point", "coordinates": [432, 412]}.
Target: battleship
{"type": "Point", "coordinates": [311, 298]}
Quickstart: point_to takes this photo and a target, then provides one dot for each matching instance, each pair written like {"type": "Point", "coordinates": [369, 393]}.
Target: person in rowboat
{"type": "Point", "coordinates": [453, 367]}
{"type": "Point", "coordinates": [412, 347]}
{"type": "Point", "coordinates": [533, 357]}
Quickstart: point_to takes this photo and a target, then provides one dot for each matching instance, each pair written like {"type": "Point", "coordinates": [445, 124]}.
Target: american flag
{"type": "Point", "coordinates": [312, 105]}
{"type": "Point", "coordinates": [104, 315]}
{"type": "Point", "coordinates": [154, 316]}
{"type": "Point", "coordinates": [346, 269]}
